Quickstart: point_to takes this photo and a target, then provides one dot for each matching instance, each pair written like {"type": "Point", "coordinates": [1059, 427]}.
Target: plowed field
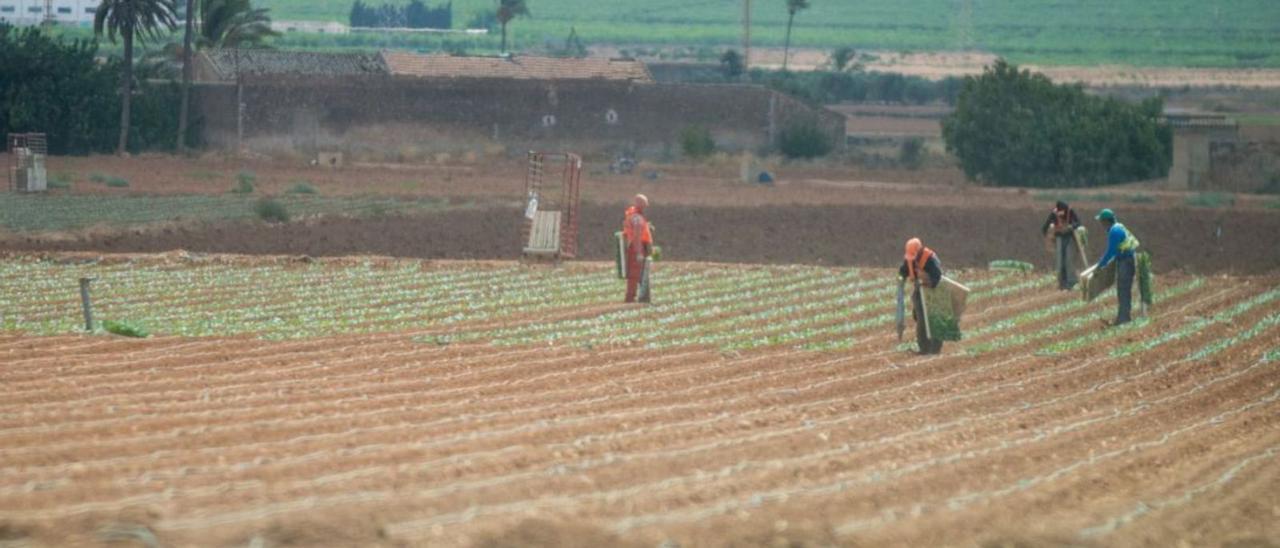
{"type": "Point", "coordinates": [373, 402]}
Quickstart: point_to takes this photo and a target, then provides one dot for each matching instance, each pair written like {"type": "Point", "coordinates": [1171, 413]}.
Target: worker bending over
{"type": "Point", "coordinates": [1121, 248]}
{"type": "Point", "coordinates": [1064, 222]}
{"type": "Point", "coordinates": [922, 268]}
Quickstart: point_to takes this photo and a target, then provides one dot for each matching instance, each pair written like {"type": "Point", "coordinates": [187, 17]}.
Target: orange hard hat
{"type": "Point", "coordinates": [913, 248]}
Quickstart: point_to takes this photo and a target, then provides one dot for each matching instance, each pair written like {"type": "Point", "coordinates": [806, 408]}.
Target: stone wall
{"type": "Point", "coordinates": [367, 115]}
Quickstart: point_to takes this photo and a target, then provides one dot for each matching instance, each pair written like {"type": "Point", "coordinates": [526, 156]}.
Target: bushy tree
{"type": "Point", "coordinates": [1013, 127]}
{"type": "Point", "coordinates": [56, 87]}
{"type": "Point", "coordinates": [731, 65]}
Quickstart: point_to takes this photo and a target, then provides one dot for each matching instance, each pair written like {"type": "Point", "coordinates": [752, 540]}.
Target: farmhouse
{"type": "Point", "coordinates": [395, 105]}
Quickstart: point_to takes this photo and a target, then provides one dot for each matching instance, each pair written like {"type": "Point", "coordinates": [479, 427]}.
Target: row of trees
{"type": "Point", "coordinates": [415, 15]}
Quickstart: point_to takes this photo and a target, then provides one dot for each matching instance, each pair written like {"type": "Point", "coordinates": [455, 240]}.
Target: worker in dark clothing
{"type": "Point", "coordinates": [921, 267]}
{"type": "Point", "coordinates": [1064, 223]}
{"type": "Point", "coordinates": [1121, 248]}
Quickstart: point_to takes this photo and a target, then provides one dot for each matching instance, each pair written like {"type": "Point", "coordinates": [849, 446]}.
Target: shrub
{"type": "Point", "coordinates": [911, 154]}
{"type": "Point", "coordinates": [271, 211]}
{"type": "Point", "coordinates": [244, 183]}
{"type": "Point", "coordinates": [696, 142]}
{"type": "Point", "coordinates": [59, 181]}
{"type": "Point", "coordinates": [1013, 128]}
{"type": "Point", "coordinates": [1211, 200]}
{"type": "Point", "coordinates": [125, 329]}
{"type": "Point", "coordinates": [117, 182]}
{"type": "Point", "coordinates": [302, 187]}
{"type": "Point", "coordinates": [804, 140]}
{"type": "Point", "coordinates": [98, 178]}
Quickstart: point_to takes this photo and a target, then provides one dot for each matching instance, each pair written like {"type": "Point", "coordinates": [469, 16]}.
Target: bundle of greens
{"type": "Point", "coordinates": [1146, 279]}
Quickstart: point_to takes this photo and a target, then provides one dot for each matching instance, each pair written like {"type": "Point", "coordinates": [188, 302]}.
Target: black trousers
{"type": "Point", "coordinates": [1126, 268]}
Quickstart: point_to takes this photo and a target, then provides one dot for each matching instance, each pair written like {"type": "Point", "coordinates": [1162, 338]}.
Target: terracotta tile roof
{"type": "Point", "coordinates": [223, 63]}
{"type": "Point", "coordinates": [519, 67]}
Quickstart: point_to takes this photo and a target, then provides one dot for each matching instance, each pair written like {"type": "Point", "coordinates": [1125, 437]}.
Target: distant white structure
{"type": "Point", "coordinates": [314, 27]}
{"type": "Point", "coordinates": [34, 12]}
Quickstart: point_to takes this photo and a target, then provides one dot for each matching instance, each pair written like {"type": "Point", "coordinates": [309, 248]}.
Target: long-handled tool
{"type": "Point", "coordinates": [924, 313]}
{"type": "Point", "coordinates": [1079, 235]}
{"type": "Point", "coordinates": [901, 317]}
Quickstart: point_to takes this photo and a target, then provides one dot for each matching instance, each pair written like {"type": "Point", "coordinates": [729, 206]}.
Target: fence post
{"type": "Point", "coordinates": [86, 304]}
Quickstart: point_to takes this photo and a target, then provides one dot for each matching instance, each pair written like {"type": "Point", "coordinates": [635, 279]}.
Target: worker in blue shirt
{"type": "Point", "coordinates": [1121, 248]}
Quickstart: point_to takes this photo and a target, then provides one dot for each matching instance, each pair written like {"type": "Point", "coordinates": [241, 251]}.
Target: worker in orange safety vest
{"type": "Point", "coordinates": [639, 242]}
{"type": "Point", "coordinates": [921, 266]}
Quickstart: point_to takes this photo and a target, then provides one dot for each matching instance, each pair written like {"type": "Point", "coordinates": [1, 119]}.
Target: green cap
{"type": "Point", "coordinates": [1106, 215]}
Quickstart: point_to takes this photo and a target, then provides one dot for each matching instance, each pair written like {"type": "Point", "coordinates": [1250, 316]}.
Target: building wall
{"type": "Point", "coordinates": [1192, 163]}
{"type": "Point", "coordinates": [31, 12]}
{"type": "Point", "coordinates": [365, 116]}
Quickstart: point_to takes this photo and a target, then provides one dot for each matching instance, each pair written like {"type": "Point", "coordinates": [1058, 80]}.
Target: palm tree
{"type": "Point", "coordinates": [233, 24]}
{"type": "Point", "coordinates": [131, 18]}
{"type": "Point", "coordinates": [189, 25]}
{"type": "Point", "coordinates": [792, 7]}
{"type": "Point", "coordinates": [508, 10]}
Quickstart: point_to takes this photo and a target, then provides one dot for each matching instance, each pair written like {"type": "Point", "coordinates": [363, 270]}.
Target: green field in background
{"type": "Point", "coordinates": [1239, 33]}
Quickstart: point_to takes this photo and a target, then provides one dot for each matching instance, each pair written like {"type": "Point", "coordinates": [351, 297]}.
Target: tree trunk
{"type": "Point", "coordinates": [126, 95]}
{"type": "Point", "coordinates": [187, 69]}
{"type": "Point", "coordinates": [504, 38]}
{"type": "Point", "coordinates": [786, 48]}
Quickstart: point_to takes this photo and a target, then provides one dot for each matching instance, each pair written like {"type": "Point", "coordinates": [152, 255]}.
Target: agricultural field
{"type": "Point", "coordinates": [367, 401]}
{"type": "Point", "coordinates": [1128, 32]}
{"type": "Point", "coordinates": [37, 213]}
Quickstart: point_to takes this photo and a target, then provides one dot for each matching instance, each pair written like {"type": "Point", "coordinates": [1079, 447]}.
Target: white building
{"type": "Point", "coordinates": [34, 12]}
{"type": "Point", "coordinates": [315, 27]}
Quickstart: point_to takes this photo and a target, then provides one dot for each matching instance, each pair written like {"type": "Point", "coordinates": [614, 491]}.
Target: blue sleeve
{"type": "Point", "coordinates": [1115, 237]}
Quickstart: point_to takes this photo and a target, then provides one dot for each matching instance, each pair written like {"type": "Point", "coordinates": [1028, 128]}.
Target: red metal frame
{"type": "Point", "coordinates": [567, 200]}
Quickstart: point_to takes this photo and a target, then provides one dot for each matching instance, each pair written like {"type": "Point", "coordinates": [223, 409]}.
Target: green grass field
{"type": "Point", "coordinates": [1238, 33]}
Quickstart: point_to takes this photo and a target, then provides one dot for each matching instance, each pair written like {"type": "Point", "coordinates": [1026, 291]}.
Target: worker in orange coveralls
{"type": "Point", "coordinates": [635, 231]}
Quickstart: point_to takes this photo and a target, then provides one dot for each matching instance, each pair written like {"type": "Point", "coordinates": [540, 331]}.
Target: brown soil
{"type": "Point", "coordinates": [862, 235]}
{"type": "Point", "coordinates": [379, 440]}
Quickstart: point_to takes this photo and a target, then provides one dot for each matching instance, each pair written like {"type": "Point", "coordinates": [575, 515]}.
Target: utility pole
{"type": "Point", "coordinates": [746, 36]}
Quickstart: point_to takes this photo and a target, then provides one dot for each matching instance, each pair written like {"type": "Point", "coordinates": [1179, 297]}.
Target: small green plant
{"type": "Point", "coordinates": [944, 328]}
{"type": "Point", "coordinates": [302, 187]}
{"type": "Point", "coordinates": [244, 183]}
{"type": "Point", "coordinates": [1011, 264]}
{"type": "Point", "coordinates": [696, 142]}
{"type": "Point", "coordinates": [204, 175]}
{"type": "Point", "coordinates": [60, 181]}
{"type": "Point", "coordinates": [271, 211]}
{"type": "Point", "coordinates": [804, 140]}
{"type": "Point", "coordinates": [125, 329]}
{"type": "Point", "coordinates": [117, 182]}
{"type": "Point", "coordinates": [1141, 199]}
{"type": "Point", "coordinates": [98, 178]}
{"type": "Point", "coordinates": [1211, 200]}
{"type": "Point", "coordinates": [1274, 205]}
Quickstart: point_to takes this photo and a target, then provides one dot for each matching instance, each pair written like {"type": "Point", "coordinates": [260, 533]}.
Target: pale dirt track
{"type": "Point", "coordinates": [385, 440]}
